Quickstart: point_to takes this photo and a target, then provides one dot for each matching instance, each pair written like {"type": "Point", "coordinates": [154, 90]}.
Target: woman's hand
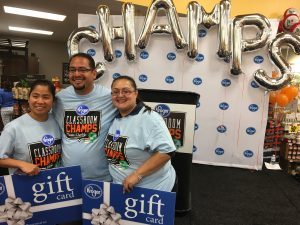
{"type": "Point", "coordinates": [130, 182]}
{"type": "Point", "coordinates": [29, 168]}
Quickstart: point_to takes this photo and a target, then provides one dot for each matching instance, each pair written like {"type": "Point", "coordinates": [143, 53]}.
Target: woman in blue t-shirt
{"type": "Point", "coordinates": [6, 102]}
{"type": "Point", "coordinates": [138, 145]}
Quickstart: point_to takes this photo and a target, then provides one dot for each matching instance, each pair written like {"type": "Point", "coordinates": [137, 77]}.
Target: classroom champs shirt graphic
{"type": "Point", "coordinates": [46, 153]}
{"type": "Point", "coordinates": [114, 147]}
{"type": "Point", "coordinates": [82, 123]}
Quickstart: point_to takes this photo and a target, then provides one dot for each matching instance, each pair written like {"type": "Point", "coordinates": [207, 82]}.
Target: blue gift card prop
{"type": "Point", "coordinates": [105, 203]}
{"type": "Point", "coordinates": [53, 196]}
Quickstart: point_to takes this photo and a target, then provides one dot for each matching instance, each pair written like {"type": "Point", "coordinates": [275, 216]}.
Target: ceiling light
{"type": "Point", "coordinates": [33, 13]}
{"type": "Point", "coordinates": [29, 30]}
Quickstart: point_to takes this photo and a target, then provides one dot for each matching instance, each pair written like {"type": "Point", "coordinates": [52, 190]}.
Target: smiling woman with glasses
{"type": "Point", "coordinates": [138, 145]}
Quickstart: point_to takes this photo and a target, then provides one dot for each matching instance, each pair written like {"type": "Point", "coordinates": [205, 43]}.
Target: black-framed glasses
{"type": "Point", "coordinates": [73, 70]}
{"type": "Point", "coordinates": [126, 92]}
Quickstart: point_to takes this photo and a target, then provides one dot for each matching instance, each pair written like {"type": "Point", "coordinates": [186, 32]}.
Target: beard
{"type": "Point", "coordinates": [79, 88]}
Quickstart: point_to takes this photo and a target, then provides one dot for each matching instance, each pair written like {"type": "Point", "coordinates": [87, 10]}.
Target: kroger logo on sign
{"type": "Point", "coordinates": [47, 140]}
{"type": "Point", "coordinates": [223, 105]}
{"type": "Point", "coordinates": [171, 56]}
{"type": "Point", "coordinates": [197, 81]}
{"type": "Point", "coordinates": [248, 153]}
{"type": "Point", "coordinates": [221, 129]}
{"type": "Point", "coordinates": [82, 110]}
{"type": "Point", "coordinates": [226, 82]}
{"type": "Point", "coordinates": [219, 151]}
{"type": "Point", "coordinates": [91, 52]}
{"type": "Point", "coordinates": [258, 59]}
{"type": "Point", "coordinates": [118, 53]}
{"type": "Point", "coordinates": [2, 188]}
{"type": "Point", "coordinates": [199, 57]}
{"type": "Point", "coordinates": [250, 130]}
{"type": "Point", "coordinates": [92, 26]}
{"type": "Point", "coordinates": [254, 84]}
{"type": "Point", "coordinates": [202, 33]}
{"type": "Point", "coordinates": [93, 191]}
{"type": "Point", "coordinates": [253, 107]}
{"type": "Point", "coordinates": [143, 78]}
{"type": "Point", "coordinates": [144, 55]}
{"type": "Point", "coordinates": [169, 79]}
{"type": "Point", "coordinates": [116, 75]}
{"type": "Point", "coordinates": [194, 148]}
{"type": "Point", "coordinates": [163, 110]}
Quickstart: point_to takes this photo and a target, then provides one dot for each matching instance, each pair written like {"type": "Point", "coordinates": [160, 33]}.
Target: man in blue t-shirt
{"type": "Point", "coordinates": [84, 112]}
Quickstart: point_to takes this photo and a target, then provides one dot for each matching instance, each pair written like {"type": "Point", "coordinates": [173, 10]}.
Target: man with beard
{"type": "Point", "coordinates": [84, 112]}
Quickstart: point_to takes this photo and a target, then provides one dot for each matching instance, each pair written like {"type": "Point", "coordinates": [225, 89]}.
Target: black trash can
{"type": "Point", "coordinates": [178, 110]}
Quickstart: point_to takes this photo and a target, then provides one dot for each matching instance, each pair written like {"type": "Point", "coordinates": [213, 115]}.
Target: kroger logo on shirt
{"type": "Point", "coordinates": [250, 130]}
{"type": "Point", "coordinates": [91, 52]}
{"type": "Point", "coordinates": [169, 79]}
{"type": "Point", "coordinates": [118, 53]}
{"type": "Point", "coordinates": [253, 107]}
{"type": "Point", "coordinates": [144, 55]}
{"type": "Point", "coordinates": [93, 191]}
{"type": "Point", "coordinates": [248, 153]}
{"type": "Point", "coordinates": [82, 110]}
{"type": "Point", "coordinates": [163, 110]}
{"type": "Point", "coordinates": [254, 84]}
{"type": "Point", "coordinates": [116, 75]}
{"type": "Point", "coordinates": [219, 151]}
{"type": "Point", "coordinates": [197, 81]}
{"type": "Point", "coordinates": [171, 56]}
{"type": "Point", "coordinates": [223, 105]}
{"type": "Point", "coordinates": [143, 78]}
{"type": "Point", "coordinates": [226, 82]}
{"type": "Point", "coordinates": [258, 59]}
{"type": "Point", "coordinates": [48, 140]}
{"type": "Point", "coordinates": [221, 129]}
{"type": "Point", "coordinates": [202, 33]}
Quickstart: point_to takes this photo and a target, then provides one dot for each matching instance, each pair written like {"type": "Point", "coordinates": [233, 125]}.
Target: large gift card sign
{"type": "Point", "coordinates": [104, 203]}
{"type": "Point", "coordinates": [52, 197]}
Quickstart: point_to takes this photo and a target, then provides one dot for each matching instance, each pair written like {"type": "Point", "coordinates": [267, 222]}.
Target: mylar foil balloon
{"type": "Point", "coordinates": [282, 39]}
{"type": "Point", "coordinates": [129, 31]}
{"type": "Point", "coordinates": [103, 15]}
{"type": "Point", "coordinates": [197, 16]}
{"type": "Point", "coordinates": [78, 34]}
{"type": "Point", "coordinates": [240, 45]}
{"type": "Point", "coordinates": [100, 69]}
{"type": "Point", "coordinates": [150, 28]}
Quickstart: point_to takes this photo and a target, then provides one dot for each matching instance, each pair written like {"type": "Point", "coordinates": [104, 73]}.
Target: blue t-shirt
{"type": "Point", "coordinates": [134, 139]}
{"type": "Point", "coordinates": [84, 121]}
{"type": "Point", "coordinates": [32, 141]}
{"type": "Point", "coordinates": [6, 99]}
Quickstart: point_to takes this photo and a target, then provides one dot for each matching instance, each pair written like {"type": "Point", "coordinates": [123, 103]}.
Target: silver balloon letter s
{"type": "Point", "coordinates": [282, 39]}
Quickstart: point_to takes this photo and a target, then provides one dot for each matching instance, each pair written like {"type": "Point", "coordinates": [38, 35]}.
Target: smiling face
{"type": "Point", "coordinates": [81, 75]}
{"type": "Point", "coordinates": [124, 96]}
{"type": "Point", "coordinates": [40, 102]}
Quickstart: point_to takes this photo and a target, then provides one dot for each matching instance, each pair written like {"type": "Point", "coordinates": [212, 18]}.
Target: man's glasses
{"type": "Point", "coordinates": [73, 70]}
{"type": "Point", "coordinates": [126, 92]}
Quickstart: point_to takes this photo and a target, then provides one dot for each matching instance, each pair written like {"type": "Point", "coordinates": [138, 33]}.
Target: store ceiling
{"type": "Point", "coordinates": [61, 30]}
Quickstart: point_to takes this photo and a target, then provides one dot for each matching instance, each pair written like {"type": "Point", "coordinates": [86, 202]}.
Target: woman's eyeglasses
{"type": "Point", "coordinates": [125, 92]}
{"type": "Point", "coordinates": [73, 70]}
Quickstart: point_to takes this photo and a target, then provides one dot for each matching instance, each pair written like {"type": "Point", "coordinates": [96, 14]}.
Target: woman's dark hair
{"type": "Point", "coordinates": [133, 84]}
{"type": "Point", "coordinates": [86, 56]}
{"type": "Point", "coordinates": [7, 85]}
{"type": "Point", "coordinates": [46, 83]}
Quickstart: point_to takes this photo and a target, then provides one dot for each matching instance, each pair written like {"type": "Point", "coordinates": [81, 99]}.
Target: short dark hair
{"type": "Point", "coordinates": [43, 82]}
{"type": "Point", "coordinates": [86, 56]}
{"type": "Point", "coordinates": [7, 85]}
